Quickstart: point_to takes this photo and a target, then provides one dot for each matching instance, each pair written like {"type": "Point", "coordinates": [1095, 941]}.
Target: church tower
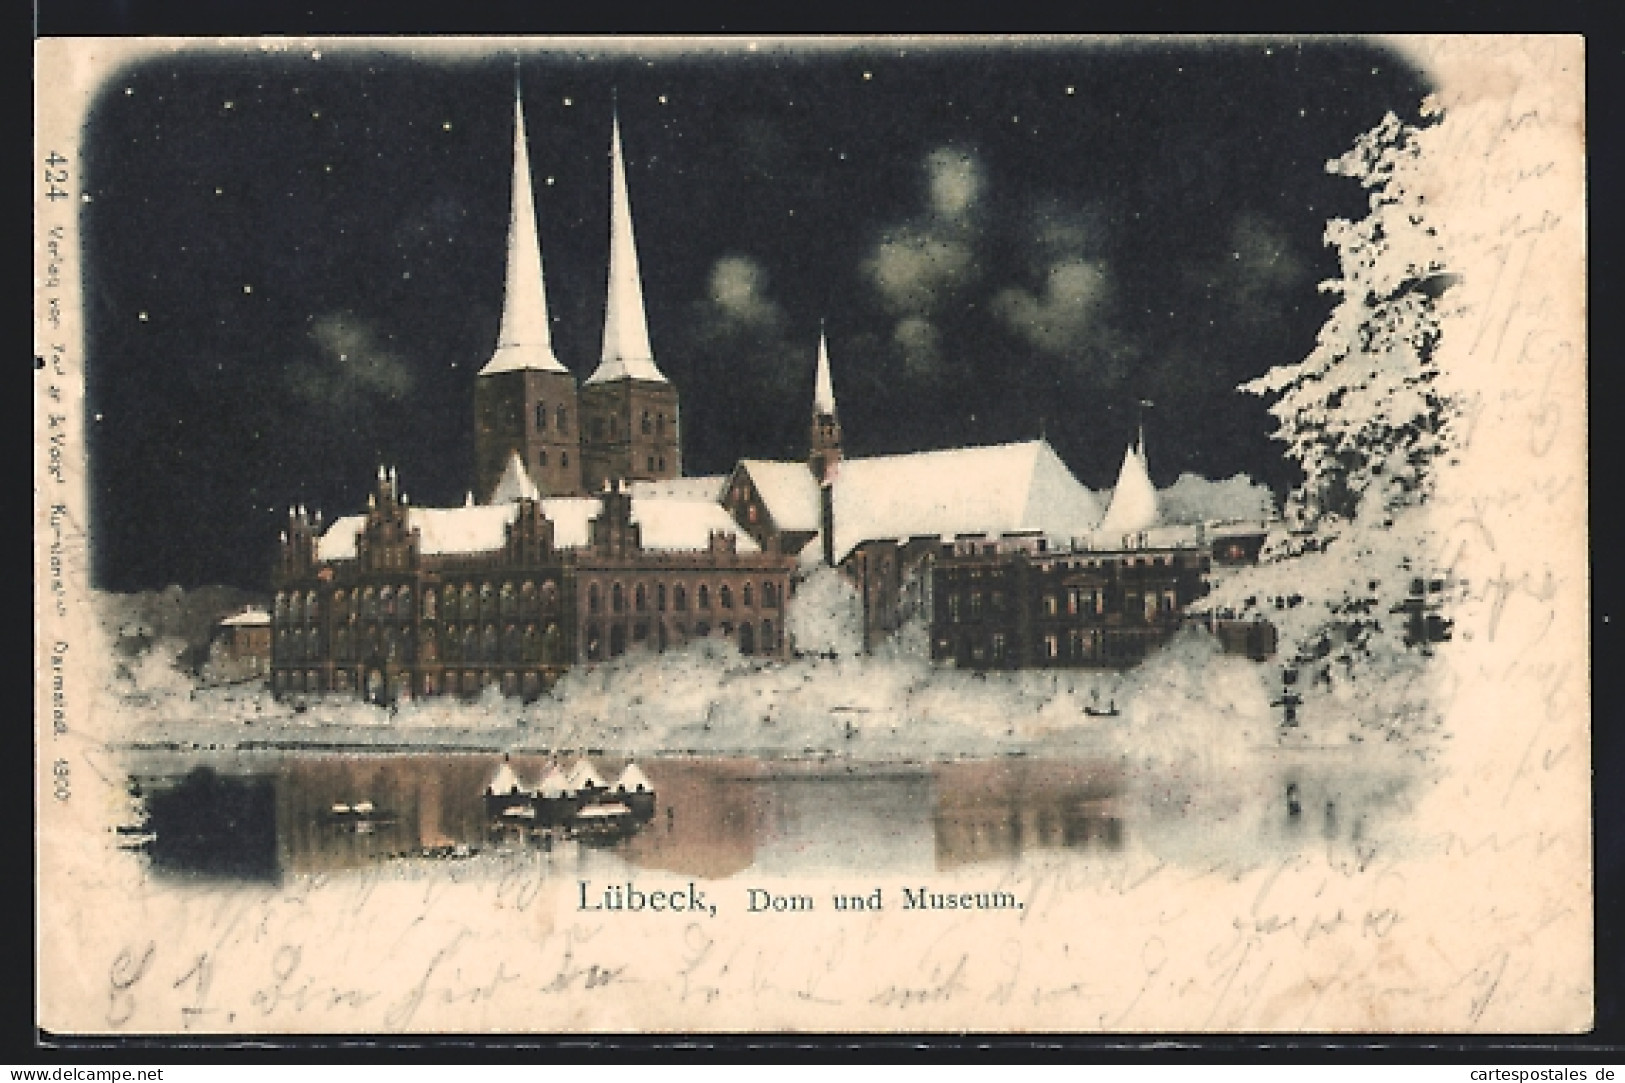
{"type": "Point", "coordinates": [525, 401]}
{"type": "Point", "coordinates": [824, 447]}
{"type": "Point", "coordinates": [628, 408]}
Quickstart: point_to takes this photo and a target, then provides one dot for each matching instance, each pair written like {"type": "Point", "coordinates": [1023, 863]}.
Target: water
{"type": "Point", "coordinates": [264, 816]}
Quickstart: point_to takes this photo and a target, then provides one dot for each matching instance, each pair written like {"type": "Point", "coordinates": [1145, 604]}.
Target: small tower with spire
{"type": "Point", "coordinates": [525, 401]}
{"type": "Point", "coordinates": [824, 446]}
{"type": "Point", "coordinates": [628, 407]}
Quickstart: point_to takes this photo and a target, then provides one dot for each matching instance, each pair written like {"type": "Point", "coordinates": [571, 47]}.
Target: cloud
{"type": "Point", "coordinates": [955, 179]}
{"type": "Point", "coordinates": [1260, 263]}
{"type": "Point", "coordinates": [915, 268]}
{"type": "Point", "coordinates": [354, 365]}
{"type": "Point", "coordinates": [919, 265]}
{"type": "Point", "coordinates": [738, 294]}
{"type": "Point", "coordinates": [1062, 316]}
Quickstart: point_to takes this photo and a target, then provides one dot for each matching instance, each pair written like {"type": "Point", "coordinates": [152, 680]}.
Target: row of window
{"type": "Point", "coordinates": [1086, 600]}
{"type": "Point", "coordinates": [1078, 646]}
{"type": "Point", "coordinates": [600, 643]}
{"type": "Point", "coordinates": [513, 644]}
{"type": "Point", "coordinates": [650, 424]}
{"type": "Point", "coordinates": [641, 599]}
{"type": "Point", "coordinates": [449, 603]}
{"type": "Point", "coordinates": [561, 418]}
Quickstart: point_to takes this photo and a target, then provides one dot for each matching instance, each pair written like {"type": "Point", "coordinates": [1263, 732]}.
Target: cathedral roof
{"type": "Point", "coordinates": [1134, 498]}
{"type": "Point", "coordinates": [1004, 488]}
{"type": "Point", "coordinates": [525, 340]}
{"type": "Point", "coordinates": [788, 490]}
{"type": "Point", "coordinates": [627, 354]}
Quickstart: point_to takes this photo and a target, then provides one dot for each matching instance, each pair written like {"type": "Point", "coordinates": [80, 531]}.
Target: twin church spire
{"type": "Point", "coordinates": [525, 341]}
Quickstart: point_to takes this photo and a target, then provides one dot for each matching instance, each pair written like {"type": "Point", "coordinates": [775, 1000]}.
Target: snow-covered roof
{"type": "Point", "coordinates": [603, 812]}
{"type": "Point", "coordinates": [584, 774]}
{"type": "Point", "coordinates": [1134, 498]}
{"type": "Point", "coordinates": [788, 491]}
{"type": "Point", "coordinates": [686, 524]}
{"type": "Point", "coordinates": [503, 781]}
{"type": "Point", "coordinates": [632, 779]}
{"type": "Point", "coordinates": [251, 616]}
{"type": "Point", "coordinates": [525, 340]}
{"type": "Point", "coordinates": [515, 483]}
{"type": "Point", "coordinates": [999, 489]}
{"type": "Point", "coordinates": [1160, 536]}
{"type": "Point", "coordinates": [702, 487]}
{"type": "Point", "coordinates": [668, 524]}
{"type": "Point", "coordinates": [627, 354]}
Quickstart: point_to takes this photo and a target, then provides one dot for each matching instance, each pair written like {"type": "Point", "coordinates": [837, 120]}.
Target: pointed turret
{"type": "Point", "coordinates": [515, 483]}
{"type": "Point", "coordinates": [627, 353]}
{"type": "Point", "coordinates": [824, 447]}
{"type": "Point", "coordinates": [525, 340]}
{"type": "Point", "coordinates": [1134, 499]}
{"type": "Point", "coordinates": [525, 401]}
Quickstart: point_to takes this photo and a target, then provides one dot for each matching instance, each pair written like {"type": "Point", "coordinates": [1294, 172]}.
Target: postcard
{"type": "Point", "coordinates": [689, 535]}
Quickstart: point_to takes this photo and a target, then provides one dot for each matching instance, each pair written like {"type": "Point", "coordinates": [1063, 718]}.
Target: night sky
{"type": "Point", "coordinates": [295, 260]}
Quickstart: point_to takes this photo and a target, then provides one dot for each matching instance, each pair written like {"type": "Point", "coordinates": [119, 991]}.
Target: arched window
{"type": "Point", "coordinates": [660, 424]}
{"type": "Point", "coordinates": [550, 596]}
{"type": "Point", "coordinates": [747, 639]}
{"type": "Point", "coordinates": [640, 598]}
{"type": "Point", "coordinates": [527, 598]}
{"type": "Point", "coordinates": [403, 603]}
{"type": "Point", "coordinates": [312, 606]}
{"type": "Point", "coordinates": [660, 597]}
{"type": "Point", "coordinates": [564, 458]}
{"type": "Point", "coordinates": [725, 596]}
{"type": "Point", "coordinates": [617, 598]}
{"type": "Point", "coordinates": [541, 460]}
{"type": "Point", "coordinates": [429, 604]}
{"type": "Point", "coordinates": [648, 423]}
{"type": "Point", "coordinates": [561, 419]}
{"type": "Point", "coordinates": [369, 604]}
{"type": "Point", "coordinates": [448, 602]}
{"type": "Point", "coordinates": [488, 601]}
{"type": "Point", "coordinates": [679, 597]}
{"type": "Point", "coordinates": [705, 596]}
{"type": "Point", "coordinates": [745, 596]}
{"type": "Point", "coordinates": [488, 644]}
{"type": "Point", "coordinates": [471, 645]}
{"type": "Point", "coordinates": [552, 645]}
{"type": "Point", "coordinates": [431, 646]}
{"type": "Point", "coordinates": [769, 644]}
{"type": "Point", "coordinates": [595, 643]}
{"type": "Point", "coordinates": [281, 608]}
{"type": "Point", "coordinates": [509, 599]}
{"type": "Point", "coordinates": [386, 602]}
{"type": "Point", "coordinates": [533, 644]}
{"type": "Point", "coordinates": [341, 644]}
{"type": "Point", "coordinates": [541, 415]}
{"type": "Point", "coordinates": [594, 600]}
{"type": "Point", "coordinates": [770, 596]}
{"type": "Point", "coordinates": [617, 640]}
{"type": "Point", "coordinates": [510, 643]}
{"type": "Point", "coordinates": [471, 610]}
{"type": "Point", "coordinates": [392, 644]}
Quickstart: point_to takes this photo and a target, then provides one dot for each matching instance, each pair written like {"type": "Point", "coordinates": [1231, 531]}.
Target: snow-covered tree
{"type": "Point", "coordinates": [1365, 416]}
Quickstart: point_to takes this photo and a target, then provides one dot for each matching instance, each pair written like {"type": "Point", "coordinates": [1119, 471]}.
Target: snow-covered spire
{"type": "Point", "coordinates": [515, 483]}
{"type": "Point", "coordinates": [823, 386]}
{"type": "Point", "coordinates": [1134, 499]}
{"type": "Point", "coordinates": [525, 340]}
{"type": "Point", "coordinates": [627, 354]}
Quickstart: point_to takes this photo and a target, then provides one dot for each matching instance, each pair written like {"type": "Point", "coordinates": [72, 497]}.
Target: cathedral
{"type": "Point", "coordinates": [582, 540]}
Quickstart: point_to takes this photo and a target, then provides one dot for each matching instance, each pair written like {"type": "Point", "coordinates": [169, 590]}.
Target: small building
{"type": "Point", "coordinates": [245, 640]}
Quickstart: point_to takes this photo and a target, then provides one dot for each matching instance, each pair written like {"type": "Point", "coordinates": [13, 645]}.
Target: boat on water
{"type": "Point", "coordinates": [578, 803]}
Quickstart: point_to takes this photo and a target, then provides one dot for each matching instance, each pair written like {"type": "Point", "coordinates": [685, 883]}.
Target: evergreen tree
{"type": "Point", "coordinates": [1364, 416]}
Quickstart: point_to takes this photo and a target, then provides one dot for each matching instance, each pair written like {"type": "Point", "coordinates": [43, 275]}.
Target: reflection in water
{"type": "Point", "coordinates": [257, 816]}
